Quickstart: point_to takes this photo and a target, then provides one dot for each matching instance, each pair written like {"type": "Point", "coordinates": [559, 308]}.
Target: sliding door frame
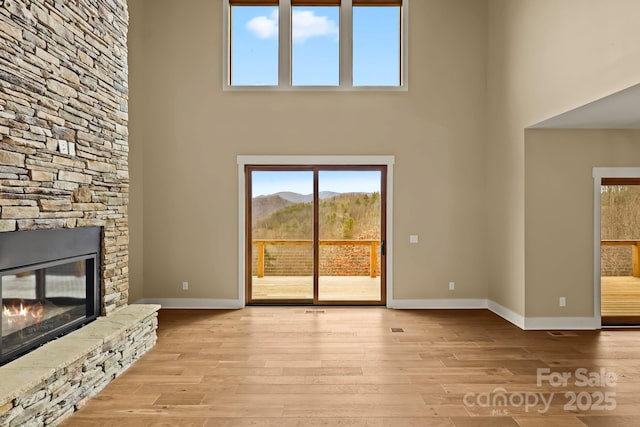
{"type": "Point", "coordinates": [383, 233]}
{"type": "Point", "coordinates": [600, 173]}
{"type": "Point", "coordinates": [248, 170]}
{"type": "Point", "coordinates": [323, 163]}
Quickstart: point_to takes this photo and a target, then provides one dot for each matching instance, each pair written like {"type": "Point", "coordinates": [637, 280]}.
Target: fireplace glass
{"type": "Point", "coordinates": [38, 302]}
{"type": "Point", "coordinates": [49, 286]}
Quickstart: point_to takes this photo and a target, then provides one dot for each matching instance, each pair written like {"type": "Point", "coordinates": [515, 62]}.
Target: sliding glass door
{"type": "Point", "coordinates": [281, 233]}
{"type": "Point", "coordinates": [350, 235]}
{"type": "Point", "coordinates": [315, 235]}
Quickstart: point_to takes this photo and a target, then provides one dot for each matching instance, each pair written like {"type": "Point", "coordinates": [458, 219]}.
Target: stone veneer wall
{"type": "Point", "coordinates": [63, 79]}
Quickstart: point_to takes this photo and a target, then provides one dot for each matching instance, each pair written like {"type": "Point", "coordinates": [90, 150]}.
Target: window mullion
{"type": "Point", "coordinates": [284, 49]}
{"type": "Point", "coordinates": [346, 44]}
{"type": "Point", "coordinates": [226, 37]}
{"type": "Point", "coordinates": [404, 44]}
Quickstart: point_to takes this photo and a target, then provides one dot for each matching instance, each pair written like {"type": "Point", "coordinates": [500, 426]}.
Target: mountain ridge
{"type": "Point", "coordinates": [304, 198]}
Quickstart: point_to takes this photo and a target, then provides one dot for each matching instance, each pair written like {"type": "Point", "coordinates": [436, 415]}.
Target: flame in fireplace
{"type": "Point", "coordinates": [21, 313]}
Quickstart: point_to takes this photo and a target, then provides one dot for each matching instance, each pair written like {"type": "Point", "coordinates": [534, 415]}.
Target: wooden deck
{"type": "Point", "coordinates": [330, 288]}
{"type": "Point", "coordinates": [294, 367]}
{"type": "Point", "coordinates": [620, 299]}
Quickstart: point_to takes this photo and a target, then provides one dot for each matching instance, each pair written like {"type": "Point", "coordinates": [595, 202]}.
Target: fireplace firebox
{"type": "Point", "coordinates": [49, 286]}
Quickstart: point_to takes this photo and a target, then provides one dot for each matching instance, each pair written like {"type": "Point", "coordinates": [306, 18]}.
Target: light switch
{"type": "Point", "coordinates": [413, 238]}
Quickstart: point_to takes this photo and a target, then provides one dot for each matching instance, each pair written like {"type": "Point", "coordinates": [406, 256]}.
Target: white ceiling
{"type": "Point", "coordinates": [620, 110]}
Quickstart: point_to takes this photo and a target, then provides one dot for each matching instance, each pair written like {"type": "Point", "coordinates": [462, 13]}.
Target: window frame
{"type": "Point", "coordinates": [346, 50]}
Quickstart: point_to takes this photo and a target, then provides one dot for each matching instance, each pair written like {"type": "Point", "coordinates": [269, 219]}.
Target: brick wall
{"type": "Point", "coordinates": [616, 261]}
{"type": "Point", "coordinates": [347, 260]}
{"type": "Point", "coordinates": [63, 80]}
{"type": "Point", "coordinates": [298, 260]}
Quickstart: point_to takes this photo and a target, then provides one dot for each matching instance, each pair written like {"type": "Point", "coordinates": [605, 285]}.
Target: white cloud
{"type": "Point", "coordinates": [264, 27]}
{"type": "Point", "coordinates": [306, 25]}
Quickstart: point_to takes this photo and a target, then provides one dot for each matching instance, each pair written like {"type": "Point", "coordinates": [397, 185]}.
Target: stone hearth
{"type": "Point", "coordinates": [49, 384]}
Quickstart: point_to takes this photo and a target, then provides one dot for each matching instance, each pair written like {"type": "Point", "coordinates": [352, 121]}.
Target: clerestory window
{"type": "Point", "coordinates": [325, 44]}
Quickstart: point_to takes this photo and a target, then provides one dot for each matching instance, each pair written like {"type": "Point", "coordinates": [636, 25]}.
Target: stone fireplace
{"type": "Point", "coordinates": [63, 125]}
{"type": "Point", "coordinates": [64, 167]}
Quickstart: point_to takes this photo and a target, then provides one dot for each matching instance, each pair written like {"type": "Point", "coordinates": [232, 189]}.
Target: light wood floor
{"type": "Point", "coordinates": [296, 366]}
{"type": "Point", "coordinates": [330, 288]}
{"type": "Point", "coordinates": [620, 297]}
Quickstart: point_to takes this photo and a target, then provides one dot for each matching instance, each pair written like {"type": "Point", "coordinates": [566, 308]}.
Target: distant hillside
{"type": "Point", "coordinates": [343, 216]}
{"type": "Point", "coordinates": [263, 206]}
{"type": "Point", "coordinates": [305, 198]}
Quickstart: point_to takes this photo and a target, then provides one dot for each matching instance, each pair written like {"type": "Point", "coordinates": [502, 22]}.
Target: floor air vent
{"type": "Point", "coordinates": [397, 330]}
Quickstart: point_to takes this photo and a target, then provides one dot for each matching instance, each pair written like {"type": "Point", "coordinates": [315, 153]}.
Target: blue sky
{"type": "Point", "coordinates": [301, 182]}
{"type": "Point", "coordinates": [315, 48]}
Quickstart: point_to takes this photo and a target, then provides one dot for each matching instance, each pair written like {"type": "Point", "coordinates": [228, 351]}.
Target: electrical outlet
{"type": "Point", "coordinates": [452, 286]}
{"type": "Point", "coordinates": [185, 286]}
{"type": "Point", "coordinates": [413, 238]}
{"type": "Point", "coordinates": [563, 302]}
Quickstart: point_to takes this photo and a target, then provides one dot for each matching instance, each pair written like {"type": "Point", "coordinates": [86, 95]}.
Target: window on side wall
{"type": "Point", "coordinates": [325, 45]}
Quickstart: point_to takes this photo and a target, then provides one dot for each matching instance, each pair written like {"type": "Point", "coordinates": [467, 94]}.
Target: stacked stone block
{"type": "Point", "coordinates": [63, 80]}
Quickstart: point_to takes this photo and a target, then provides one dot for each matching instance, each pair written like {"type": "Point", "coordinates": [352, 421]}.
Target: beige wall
{"type": "Point", "coordinates": [559, 209]}
{"type": "Point", "coordinates": [193, 131]}
{"type": "Point", "coordinates": [545, 57]}
{"type": "Point", "coordinates": [136, 136]}
{"type": "Point", "coordinates": [476, 68]}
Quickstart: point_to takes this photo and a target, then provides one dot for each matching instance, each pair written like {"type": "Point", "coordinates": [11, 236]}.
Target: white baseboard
{"type": "Point", "coordinates": [544, 323]}
{"type": "Point", "coordinates": [194, 303]}
{"type": "Point", "coordinates": [526, 323]}
{"type": "Point", "coordinates": [561, 323]}
{"type": "Point", "coordinates": [444, 304]}
{"type": "Point", "coordinates": [507, 314]}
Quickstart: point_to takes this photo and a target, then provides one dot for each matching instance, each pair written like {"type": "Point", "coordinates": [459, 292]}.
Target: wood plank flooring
{"type": "Point", "coordinates": [620, 297]}
{"type": "Point", "coordinates": [298, 366]}
{"type": "Point", "coordinates": [330, 288]}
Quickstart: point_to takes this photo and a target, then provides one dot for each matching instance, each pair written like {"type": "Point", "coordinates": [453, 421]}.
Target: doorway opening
{"type": "Point", "coordinates": [315, 234]}
{"type": "Point", "coordinates": [620, 251]}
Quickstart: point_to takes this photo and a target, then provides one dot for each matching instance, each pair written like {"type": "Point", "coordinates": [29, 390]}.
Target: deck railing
{"type": "Point", "coordinates": [635, 251]}
{"type": "Point", "coordinates": [373, 259]}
